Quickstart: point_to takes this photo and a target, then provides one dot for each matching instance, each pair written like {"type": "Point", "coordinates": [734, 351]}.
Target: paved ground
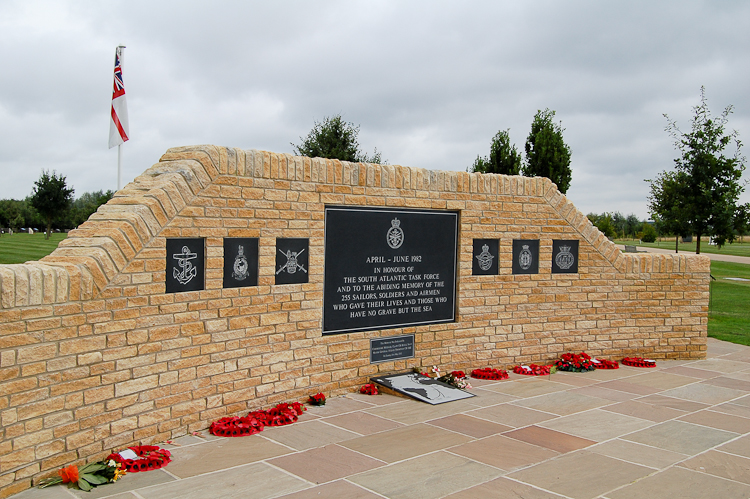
{"type": "Point", "coordinates": [681, 430]}
{"type": "Point", "coordinates": [712, 256]}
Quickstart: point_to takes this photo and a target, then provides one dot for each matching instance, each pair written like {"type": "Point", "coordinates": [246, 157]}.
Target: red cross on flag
{"type": "Point", "coordinates": [118, 124]}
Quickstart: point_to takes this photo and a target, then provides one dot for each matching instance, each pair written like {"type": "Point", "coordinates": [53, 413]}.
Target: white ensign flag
{"type": "Point", "coordinates": [118, 123]}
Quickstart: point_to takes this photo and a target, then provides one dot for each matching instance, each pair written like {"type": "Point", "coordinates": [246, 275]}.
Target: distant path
{"type": "Point", "coordinates": [712, 256]}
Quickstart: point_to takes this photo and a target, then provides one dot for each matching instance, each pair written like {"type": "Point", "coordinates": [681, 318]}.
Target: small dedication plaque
{"type": "Point", "coordinates": [391, 348]}
{"type": "Point", "coordinates": [388, 268]}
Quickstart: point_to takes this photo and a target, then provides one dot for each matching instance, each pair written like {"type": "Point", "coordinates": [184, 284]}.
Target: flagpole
{"type": "Point", "coordinates": [119, 166]}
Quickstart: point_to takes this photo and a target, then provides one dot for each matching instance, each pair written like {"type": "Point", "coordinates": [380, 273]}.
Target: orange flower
{"type": "Point", "coordinates": [68, 474]}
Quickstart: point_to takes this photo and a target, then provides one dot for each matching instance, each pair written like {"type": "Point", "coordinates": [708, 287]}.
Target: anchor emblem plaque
{"type": "Point", "coordinates": [185, 269]}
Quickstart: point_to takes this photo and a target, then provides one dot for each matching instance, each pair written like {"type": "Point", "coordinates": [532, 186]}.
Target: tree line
{"type": "Point", "coordinates": [51, 206]}
{"type": "Point", "coordinates": [617, 226]}
{"type": "Point", "coordinates": [547, 154]}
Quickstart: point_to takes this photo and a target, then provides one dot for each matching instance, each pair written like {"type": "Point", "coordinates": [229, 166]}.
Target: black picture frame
{"type": "Point", "coordinates": [292, 260]}
{"type": "Point", "coordinates": [526, 256]}
{"type": "Point", "coordinates": [485, 257]}
{"type": "Point", "coordinates": [185, 264]}
{"type": "Point", "coordinates": [240, 262]}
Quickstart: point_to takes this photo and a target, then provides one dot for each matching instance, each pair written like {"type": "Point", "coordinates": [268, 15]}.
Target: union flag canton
{"type": "Point", "coordinates": [118, 123]}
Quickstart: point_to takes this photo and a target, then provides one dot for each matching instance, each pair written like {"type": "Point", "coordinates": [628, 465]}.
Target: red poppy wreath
{"type": "Point", "coordinates": [606, 364]}
{"type": "Point", "coordinates": [489, 373]}
{"type": "Point", "coordinates": [638, 362]}
{"type": "Point", "coordinates": [532, 370]}
{"type": "Point", "coordinates": [151, 457]}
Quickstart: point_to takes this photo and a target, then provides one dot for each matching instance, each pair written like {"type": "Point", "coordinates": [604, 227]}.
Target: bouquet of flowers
{"type": "Point", "coordinates": [317, 399]}
{"type": "Point", "coordinates": [88, 477]}
{"type": "Point", "coordinates": [369, 389]}
{"type": "Point", "coordinates": [575, 363]}
{"type": "Point", "coordinates": [453, 378]}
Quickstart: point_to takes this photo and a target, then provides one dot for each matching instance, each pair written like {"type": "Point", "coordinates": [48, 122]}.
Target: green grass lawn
{"type": "Point", "coordinates": [736, 248]}
{"type": "Point", "coordinates": [20, 248]}
{"type": "Point", "coordinates": [729, 309]}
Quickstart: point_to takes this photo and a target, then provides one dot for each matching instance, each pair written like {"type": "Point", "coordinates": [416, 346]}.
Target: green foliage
{"type": "Point", "coordinates": [504, 158]}
{"type": "Point", "coordinates": [649, 233]}
{"type": "Point", "coordinates": [83, 207]}
{"type": "Point", "coordinates": [703, 190]}
{"type": "Point", "coordinates": [547, 155]}
{"type": "Point", "coordinates": [51, 197]}
{"type": "Point", "coordinates": [604, 223]}
{"type": "Point", "coordinates": [334, 138]}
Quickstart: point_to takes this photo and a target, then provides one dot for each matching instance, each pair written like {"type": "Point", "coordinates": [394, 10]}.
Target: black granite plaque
{"type": "Point", "coordinates": [565, 257]}
{"type": "Point", "coordinates": [292, 256]}
{"type": "Point", "coordinates": [391, 348]}
{"type": "Point", "coordinates": [186, 265]}
{"type": "Point", "coordinates": [485, 257]}
{"type": "Point", "coordinates": [388, 268]}
{"type": "Point", "coordinates": [240, 262]}
{"type": "Point", "coordinates": [526, 256]}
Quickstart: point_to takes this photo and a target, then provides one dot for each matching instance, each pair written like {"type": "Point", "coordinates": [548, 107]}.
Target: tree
{"type": "Point", "coordinates": [707, 180]}
{"type": "Point", "coordinates": [504, 158]}
{"type": "Point", "coordinates": [604, 223]}
{"type": "Point", "coordinates": [547, 155]}
{"type": "Point", "coordinates": [649, 233]}
{"type": "Point", "coordinates": [83, 207]}
{"type": "Point", "coordinates": [666, 206]}
{"type": "Point", "coordinates": [334, 138]}
{"type": "Point", "coordinates": [633, 225]}
{"type": "Point", "coordinates": [51, 197]}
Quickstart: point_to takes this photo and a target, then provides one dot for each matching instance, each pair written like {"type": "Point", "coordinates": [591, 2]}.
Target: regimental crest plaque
{"type": "Point", "coordinates": [186, 265]}
{"type": "Point", "coordinates": [240, 262]}
{"type": "Point", "coordinates": [526, 256]}
{"type": "Point", "coordinates": [565, 257]}
{"type": "Point", "coordinates": [292, 257]}
{"type": "Point", "coordinates": [485, 257]}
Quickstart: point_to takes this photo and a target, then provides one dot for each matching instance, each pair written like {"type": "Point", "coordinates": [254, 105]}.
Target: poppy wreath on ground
{"type": "Point", "coordinates": [489, 373]}
{"type": "Point", "coordinates": [236, 427]}
{"type": "Point", "coordinates": [532, 370]}
{"type": "Point", "coordinates": [254, 422]}
{"type": "Point", "coordinates": [152, 457]}
{"type": "Point", "coordinates": [369, 389]}
{"type": "Point", "coordinates": [638, 362]}
{"type": "Point", "coordinates": [575, 363]}
{"type": "Point", "coordinates": [606, 364]}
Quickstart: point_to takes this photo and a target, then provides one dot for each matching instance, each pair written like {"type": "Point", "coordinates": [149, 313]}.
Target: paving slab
{"type": "Point", "coordinates": [503, 452]}
{"type": "Point", "coordinates": [636, 453]}
{"type": "Point", "coordinates": [681, 483]}
{"type": "Point", "coordinates": [338, 489]}
{"type": "Point", "coordinates": [562, 403]}
{"type": "Point", "coordinates": [721, 464]}
{"type": "Point", "coordinates": [512, 415]}
{"type": "Point", "coordinates": [582, 474]}
{"type": "Point", "coordinates": [427, 477]}
{"type": "Point", "coordinates": [407, 442]}
{"type": "Point", "coordinates": [597, 425]}
{"type": "Point", "coordinates": [469, 425]}
{"type": "Point", "coordinates": [503, 488]}
{"type": "Point", "coordinates": [325, 464]}
{"type": "Point", "coordinates": [682, 437]}
{"type": "Point", "coordinates": [550, 439]}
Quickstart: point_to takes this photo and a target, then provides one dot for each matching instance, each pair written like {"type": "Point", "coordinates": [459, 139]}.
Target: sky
{"type": "Point", "coordinates": [428, 82]}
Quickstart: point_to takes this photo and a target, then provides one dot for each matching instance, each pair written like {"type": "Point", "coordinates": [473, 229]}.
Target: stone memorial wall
{"type": "Point", "coordinates": [222, 280]}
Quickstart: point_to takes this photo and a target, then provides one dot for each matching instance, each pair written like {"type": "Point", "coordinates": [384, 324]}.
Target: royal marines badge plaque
{"type": "Point", "coordinates": [485, 257]}
{"type": "Point", "coordinates": [292, 257]}
{"type": "Point", "coordinates": [526, 256]}
{"type": "Point", "coordinates": [186, 265]}
{"type": "Point", "coordinates": [240, 262]}
{"type": "Point", "coordinates": [565, 257]}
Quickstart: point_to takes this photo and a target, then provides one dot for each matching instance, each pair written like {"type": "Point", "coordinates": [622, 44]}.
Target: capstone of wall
{"type": "Point", "coordinates": [95, 356]}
